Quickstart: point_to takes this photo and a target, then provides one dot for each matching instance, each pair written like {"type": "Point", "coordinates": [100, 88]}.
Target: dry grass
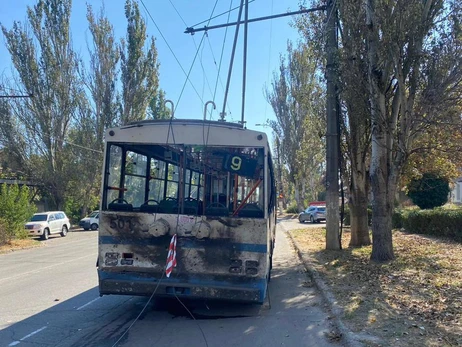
{"type": "Point", "coordinates": [416, 300]}
{"type": "Point", "coordinates": [15, 245]}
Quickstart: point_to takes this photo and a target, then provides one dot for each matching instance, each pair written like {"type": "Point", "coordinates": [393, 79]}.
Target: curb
{"type": "Point", "coordinates": [348, 337]}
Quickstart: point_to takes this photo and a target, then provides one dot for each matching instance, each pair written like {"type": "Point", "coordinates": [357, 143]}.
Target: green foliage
{"type": "Point", "coordinates": [347, 216]}
{"type": "Point", "coordinates": [139, 66]}
{"type": "Point", "coordinates": [15, 210]}
{"type": "Point", "coordinates": [428, 192]}
{"type": "Point", "coordinates": [4, 235]}
{"type": "Point", "coordinates": [437, 222]}
{"type": "Point", "coordinates": [293, 208]}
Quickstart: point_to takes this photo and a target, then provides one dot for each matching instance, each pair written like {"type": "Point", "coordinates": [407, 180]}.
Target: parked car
{"type": "Point", "coordinates": [90, 222]}
{"type": "Point", "coordinates": [45, 224]}
{"type": "Point", "coordinates": [313, 214]}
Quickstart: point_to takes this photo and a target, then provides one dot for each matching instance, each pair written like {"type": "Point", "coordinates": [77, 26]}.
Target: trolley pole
{"type": "Point", "coordinates": [332, 138]}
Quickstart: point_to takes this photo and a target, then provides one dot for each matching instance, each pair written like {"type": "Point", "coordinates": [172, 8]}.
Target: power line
{"type": "Point", "coordinates": [269, 51]}
{"type": "Point", "coordinates": [194, 60]}
{"type": "Point", "coordinates": [221, 59]}
{"type": "Point", "coordinates": [195, 45]}
{"type": "Point", "coordinates": [171, 50]}
{"type": "Point", "coordinates": [219, 15]}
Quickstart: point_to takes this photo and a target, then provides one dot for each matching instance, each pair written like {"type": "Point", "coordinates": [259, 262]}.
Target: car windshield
{"type": "Point", "coordinates": [93, 214]}
{"type": "Point", "coordinates": [39, 218]}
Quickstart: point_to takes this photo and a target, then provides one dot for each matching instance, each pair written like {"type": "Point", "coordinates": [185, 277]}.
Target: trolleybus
{"type": "Point", "coordinates": [209, 183]}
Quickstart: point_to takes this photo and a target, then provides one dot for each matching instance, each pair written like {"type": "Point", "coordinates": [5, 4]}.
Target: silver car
{"type": "Point", "coordinates": [46, 223]}
{"type": "Point", "coordinates": [313, 214]}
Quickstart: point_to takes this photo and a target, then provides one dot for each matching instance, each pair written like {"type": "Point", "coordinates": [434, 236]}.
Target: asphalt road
{"type": "Point", "coordinates": [49, 297]}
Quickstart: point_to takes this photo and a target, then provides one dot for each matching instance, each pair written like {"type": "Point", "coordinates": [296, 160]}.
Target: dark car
{"type": "Point", "coordinates": [313, 214]}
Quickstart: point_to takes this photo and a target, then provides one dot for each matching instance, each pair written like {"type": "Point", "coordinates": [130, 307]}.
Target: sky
{"type": "Point", "coordinates": [266, 41]}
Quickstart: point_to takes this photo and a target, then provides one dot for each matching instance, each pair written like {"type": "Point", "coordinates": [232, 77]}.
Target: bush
{"type": "Point", "coordinates": [292, 209]}
{"type": "Point", "coordinates": [438, 222]}
{"type": "Point", "coordinates": [428, 192]}
{"type": "Point", "coordinates": [347, 217]}
{"type": "Point", "coordinates": [15, 210]}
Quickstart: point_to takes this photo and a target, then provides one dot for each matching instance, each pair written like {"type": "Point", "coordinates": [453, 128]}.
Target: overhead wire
{"type": "Point", "coordinates": [195, 44]}
{"type": "Point", "coordinates": [171, 50]}
{"type": "Point", "coordinates": [219, 15]}
{"type": "Point", "coordinates": [221, 59]}
{"type": "Point", "coordinates": [194, 60]}
{"type": "Point", "coordinates": [269, 52]}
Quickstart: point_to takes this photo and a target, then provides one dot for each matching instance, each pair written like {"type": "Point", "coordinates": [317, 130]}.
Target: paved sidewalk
{"type": "Point", "coordinates": [349, 339]}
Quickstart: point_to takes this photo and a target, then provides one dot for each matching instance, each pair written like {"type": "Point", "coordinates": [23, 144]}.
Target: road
{"type": "Point", "coordinates": [49, 297]}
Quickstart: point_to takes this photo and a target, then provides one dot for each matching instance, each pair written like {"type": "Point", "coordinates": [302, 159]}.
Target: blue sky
{"type": "Point", "coordinates": [266, 40]}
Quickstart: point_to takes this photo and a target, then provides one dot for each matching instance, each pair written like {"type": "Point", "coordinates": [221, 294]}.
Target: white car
{"type": "Point", "coordinates": [47, 223]}
{"type": "Point", "coordinates": [90, 222]}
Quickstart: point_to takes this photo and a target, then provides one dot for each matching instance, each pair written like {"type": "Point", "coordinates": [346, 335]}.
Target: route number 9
{"type": "Point", "coordinates": [236, 163]}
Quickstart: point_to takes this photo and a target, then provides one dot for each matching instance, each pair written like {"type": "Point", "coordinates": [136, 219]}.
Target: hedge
{"type": "Point", "coordinates": [437, 222]}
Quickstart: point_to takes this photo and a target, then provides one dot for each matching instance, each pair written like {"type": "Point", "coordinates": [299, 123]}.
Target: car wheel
{"type": "Point", "coordinates": [64, 231]}
{"type": "Point", "coordinates": [46, 234]}
{"type": "Point", "coordinates": [300, 220]}
{"type": "Point", "coordinates": [86, 229]}
{"type": "Point", "coordinates": [94, 226]}
{"type": "Point", "coordinates": [311, 219]}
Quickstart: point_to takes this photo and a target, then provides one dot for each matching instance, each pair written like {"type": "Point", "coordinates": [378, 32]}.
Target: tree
{"type": "Point", "coordinates": [414, 73]}
{"type": "Point", "coordinates": [296, 98]}
{"type": "Point", "coordinates": [46, 67]}
{"type": "Point", "coordinates": [353, 92]}
{"type": "Point", "coordinates": [15, 210]}
{"type": "Point", "coordinates": [429, 191]}
{"type": "Point", "coordinates": [157, 107]}
{"type": "Point", "coordinates": [140, 69]}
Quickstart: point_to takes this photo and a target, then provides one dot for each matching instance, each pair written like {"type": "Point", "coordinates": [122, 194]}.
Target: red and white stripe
{"type": "Point", "coordinates": [171, 257]}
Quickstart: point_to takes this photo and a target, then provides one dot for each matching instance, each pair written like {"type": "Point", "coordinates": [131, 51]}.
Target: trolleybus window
{"type": "Point", "coordinates": [187, 179]}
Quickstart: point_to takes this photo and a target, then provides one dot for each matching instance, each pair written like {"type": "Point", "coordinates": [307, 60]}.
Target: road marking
{"type": "Point", "coordinates": [88, 303]}
{"type": "Point", "coordinates": [27, 336]}
{"type": "Point", "coordinates": [46, 267]}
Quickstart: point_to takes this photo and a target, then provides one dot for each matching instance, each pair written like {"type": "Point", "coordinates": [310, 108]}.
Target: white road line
{"type": "Point", "coordinates": [88, 303]}
{"type": "Point", "coordinates": [46, 267]}
{"type": "Point", "coordinates": [27, 336]}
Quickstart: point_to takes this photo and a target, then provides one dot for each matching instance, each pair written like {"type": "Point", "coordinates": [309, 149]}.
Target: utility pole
{"type": "Point", "coordinates": [332, 155]}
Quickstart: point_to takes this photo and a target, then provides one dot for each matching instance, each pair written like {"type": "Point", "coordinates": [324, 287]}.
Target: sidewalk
{"type": "Point", "coordinates": [348, 337]}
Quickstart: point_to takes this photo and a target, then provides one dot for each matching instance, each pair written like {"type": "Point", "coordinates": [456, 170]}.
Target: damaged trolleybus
{"type": "Point", "coordinates": [210, 183]}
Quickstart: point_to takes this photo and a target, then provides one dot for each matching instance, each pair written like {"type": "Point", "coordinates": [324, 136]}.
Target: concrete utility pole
{"type": "Point", "coordinates": [332, 186]}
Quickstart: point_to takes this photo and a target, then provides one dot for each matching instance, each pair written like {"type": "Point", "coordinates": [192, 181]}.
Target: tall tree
{"type": "Point", "coordinates": [46, 64]}
{"type": "Point", "coordinates": [295, 98]}
{"type": "Point", "coordinates": [414, 73]}
{"type": "Point", "coordinates": [96, 112]}
{"type": "Point", "coordinates": [140, 69]}
{"type": "Point", "coordinates": [354, 98]}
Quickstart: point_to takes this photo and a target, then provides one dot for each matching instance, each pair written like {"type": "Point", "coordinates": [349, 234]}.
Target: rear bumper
{"type": "Point", "coordinates": [254, 291]}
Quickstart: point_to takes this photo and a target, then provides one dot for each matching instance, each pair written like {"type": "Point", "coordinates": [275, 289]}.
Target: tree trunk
{"type": "Point", "coordinates": [359, 219]}
{"type": "Point", "coordinates": [298, 196]}
{"type": "Point", "coordinates": [383, 191]}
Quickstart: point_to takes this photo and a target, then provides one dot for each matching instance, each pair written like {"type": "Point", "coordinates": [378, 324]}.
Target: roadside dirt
{"type": "Point", "coordinates": [416, 300]}
{"type": "Point", "coordinates": [16, 245]}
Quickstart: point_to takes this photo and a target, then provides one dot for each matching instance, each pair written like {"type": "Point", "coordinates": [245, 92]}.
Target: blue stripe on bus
{"type": "Point", "coordinates": [184, 242]}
